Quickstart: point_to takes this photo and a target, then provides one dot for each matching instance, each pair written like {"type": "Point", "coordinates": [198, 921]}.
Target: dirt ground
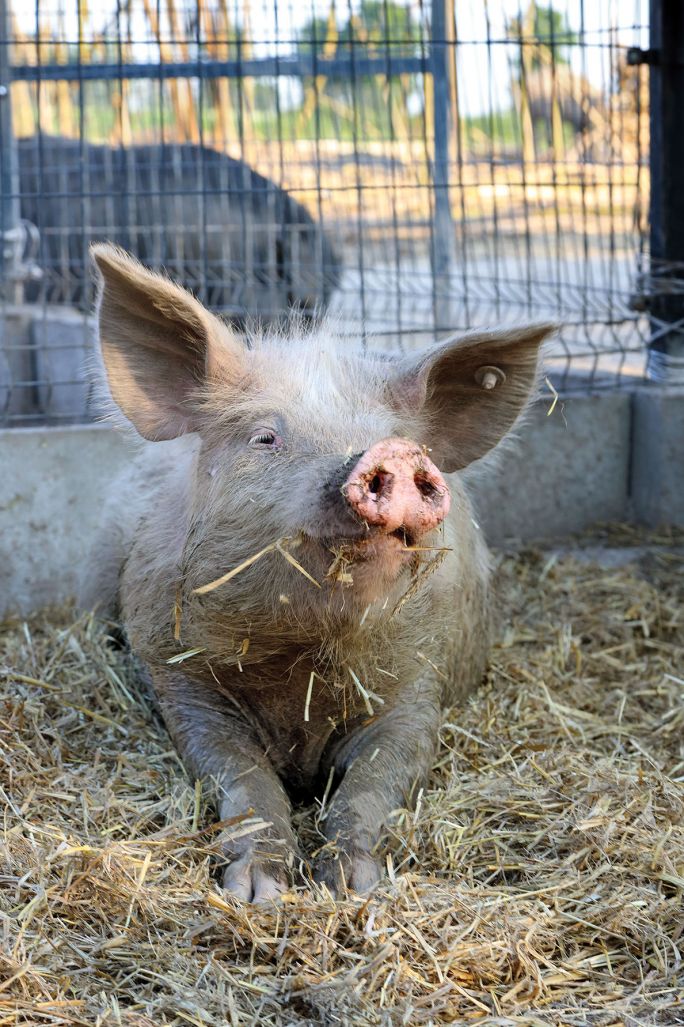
{"type": "Point", "coordinates": [540, 880]}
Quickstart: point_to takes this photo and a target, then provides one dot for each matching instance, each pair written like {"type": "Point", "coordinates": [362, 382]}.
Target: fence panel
{"type": "Point", "coordinates": [413, 168]}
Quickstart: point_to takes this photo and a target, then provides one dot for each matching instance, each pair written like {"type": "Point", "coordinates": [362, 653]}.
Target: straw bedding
{"type": "Point", "coordinates": [539, 881]}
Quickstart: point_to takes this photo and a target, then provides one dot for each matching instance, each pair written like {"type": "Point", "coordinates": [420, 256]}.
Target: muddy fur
{"type": "Point", "coordinates": [374, 656]}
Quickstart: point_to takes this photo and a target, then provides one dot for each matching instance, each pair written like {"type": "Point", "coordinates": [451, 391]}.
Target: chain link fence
{"type": "Point", "coordinates": [411, 168]}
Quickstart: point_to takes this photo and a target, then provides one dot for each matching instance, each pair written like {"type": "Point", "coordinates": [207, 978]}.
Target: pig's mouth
{"type": "Point", "coordinates": [373, 541]}
{"type": "Point", "coordinates": [390, 551]}
{"type": "Point", "coordinates": [404, 536]}
{"type": "Point", "coordinates": [400, 538]}
{"type": "Point", "coordinates": [375, 564]}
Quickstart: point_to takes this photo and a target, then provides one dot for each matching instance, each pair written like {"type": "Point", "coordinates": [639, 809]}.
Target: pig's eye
{"type": "Point", "coordinates": [265, 438]}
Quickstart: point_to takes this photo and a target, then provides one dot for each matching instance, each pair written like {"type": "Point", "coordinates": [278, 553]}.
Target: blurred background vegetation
{"type": "Point", "coordinates": [547, 107]}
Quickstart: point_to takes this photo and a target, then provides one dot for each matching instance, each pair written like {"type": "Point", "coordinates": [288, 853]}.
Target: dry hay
{"type": "Point", "coordinates": [539, 882]}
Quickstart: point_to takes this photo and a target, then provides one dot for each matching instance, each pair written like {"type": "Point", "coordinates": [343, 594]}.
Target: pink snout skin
{"type": "Point", "coordinates": [396, 486]}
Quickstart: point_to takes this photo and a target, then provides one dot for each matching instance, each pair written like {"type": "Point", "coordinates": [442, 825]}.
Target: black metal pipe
{"type": "Point", "coordinates": [666, 300]}
{"type": "Point", "coordinates": [261, 67]}
{"type": "Point", "coordinates": [443, 230]}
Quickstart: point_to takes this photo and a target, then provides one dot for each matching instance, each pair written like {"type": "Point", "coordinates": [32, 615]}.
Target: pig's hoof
{"type": "Point", "coordinates": [254, 880]}
{"type": "Point", "coordinates": [355, 871]}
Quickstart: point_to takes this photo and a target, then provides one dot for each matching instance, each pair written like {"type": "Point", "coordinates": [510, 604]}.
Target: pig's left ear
{"type": "Point", "coordinates": [470, 390]}
{"type": "Point", "coordinates": [158, 345]}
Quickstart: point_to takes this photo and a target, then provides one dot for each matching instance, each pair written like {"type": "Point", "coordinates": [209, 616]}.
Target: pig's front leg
{"type": "Point", "coordinates": [381, 765]}
{"type": "Point", "coordinates": [217, 745]}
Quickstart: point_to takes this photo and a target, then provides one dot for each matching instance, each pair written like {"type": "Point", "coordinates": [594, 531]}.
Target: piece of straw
{"type": "Point", "coordinates": [212, 585]}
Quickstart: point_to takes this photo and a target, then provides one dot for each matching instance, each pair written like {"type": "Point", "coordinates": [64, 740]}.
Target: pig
{"type": "Point", "coordinates": [243, 244]}
{"type": "Point", "coordinates": [294, 559]}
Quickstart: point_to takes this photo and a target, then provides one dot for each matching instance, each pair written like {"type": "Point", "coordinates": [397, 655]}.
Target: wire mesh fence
{"type": "Point", "coordinates": [414, 168]}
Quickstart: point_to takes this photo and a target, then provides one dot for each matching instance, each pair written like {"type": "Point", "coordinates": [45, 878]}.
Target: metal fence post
{"type": "Point", "coordinates": [443, 241]}
{"type": "Point", "coordinates": [666, 302]}
{"type": "Point", "coordinates": [10, 233]}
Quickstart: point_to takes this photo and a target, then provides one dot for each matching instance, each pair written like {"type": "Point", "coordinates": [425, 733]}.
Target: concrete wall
{"type": "Point", "coordinates": [565, 473]}
{"type": "Point", "coordinates": [52, 488]}
{"type": "Point", "coordinates": [657, 473]}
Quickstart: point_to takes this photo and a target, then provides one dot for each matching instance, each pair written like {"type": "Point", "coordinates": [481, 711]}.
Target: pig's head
{"type": "Point", "coordinates": [337, 458]}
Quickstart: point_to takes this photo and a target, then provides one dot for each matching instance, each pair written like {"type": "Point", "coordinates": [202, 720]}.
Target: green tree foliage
{"type": "Point", "coordinates": [380, 29]}
{"type": "Point", "coordinates": [547, 33]}
{"type": "Point", "coordinates": [377, 25]}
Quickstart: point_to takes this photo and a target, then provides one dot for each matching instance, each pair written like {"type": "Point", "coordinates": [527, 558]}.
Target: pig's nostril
{"type": "Point", "coordinates": [425, 486]}
{"type": "Point", "coordinates": [375, 484]}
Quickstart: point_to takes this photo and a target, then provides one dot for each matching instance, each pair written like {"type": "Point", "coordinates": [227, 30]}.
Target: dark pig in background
{"type": "Point", "coordinates": [295, 560]}
{"type": "Point", "coordinates": [235, 239]}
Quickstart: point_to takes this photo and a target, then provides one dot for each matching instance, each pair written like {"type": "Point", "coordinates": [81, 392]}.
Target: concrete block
{"type": "Point", "coordinates": [17, 363]}
{"type": "Point", "coordinates": [52, 491]}
{"type": "Point", "coordinates": [564, 472]}
{"type": "Point", "coordinates": [658, 456]}
{"type": "Point", "coordinates": [62, 339]}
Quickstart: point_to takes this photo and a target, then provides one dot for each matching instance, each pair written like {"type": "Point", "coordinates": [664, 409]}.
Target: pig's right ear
{"type": "Point", "coordinates": [470, 390]}
{"type": "Point", "coordinates": [158, 344]}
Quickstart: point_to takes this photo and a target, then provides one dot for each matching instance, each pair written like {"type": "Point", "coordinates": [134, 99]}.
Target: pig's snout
{"type": "Point", "coordinates": [396, 487]}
